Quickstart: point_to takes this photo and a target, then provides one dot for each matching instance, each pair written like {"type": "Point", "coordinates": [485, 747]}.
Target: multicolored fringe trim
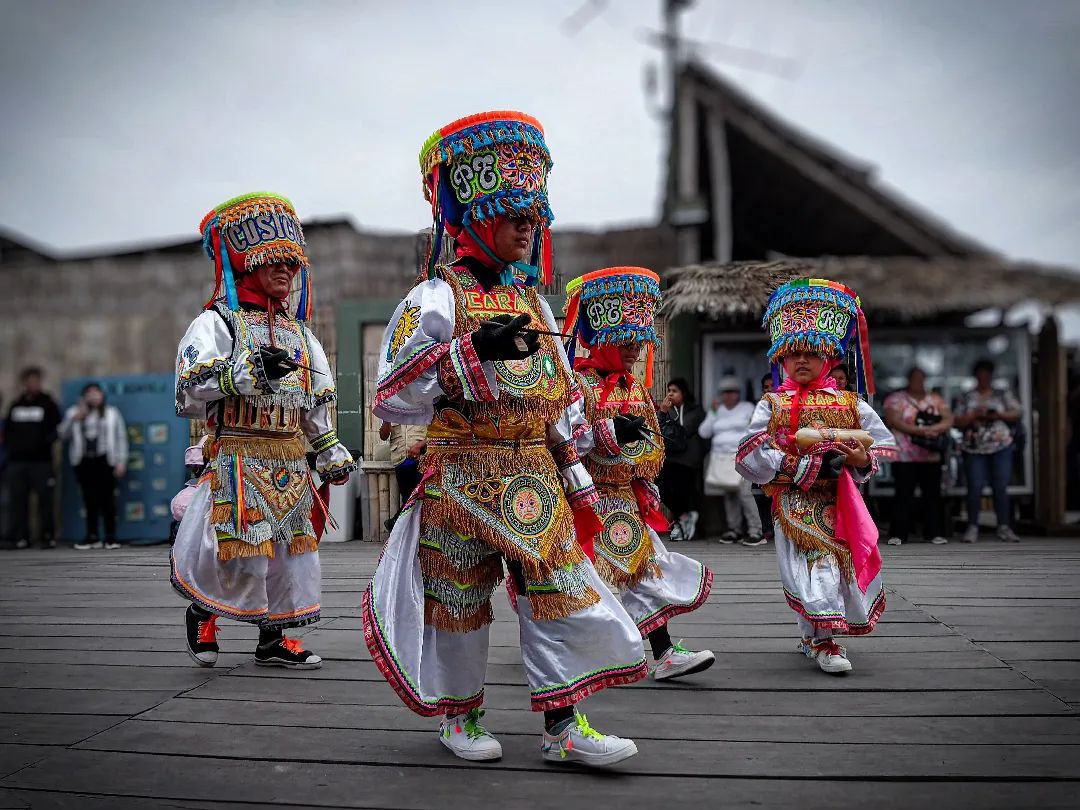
{"type": "Point", "coordinates": [466, 135]}
{"type": "Point", "coordinates": [287, 245]}
{"type": "Point", "coordinates": [806, 337]}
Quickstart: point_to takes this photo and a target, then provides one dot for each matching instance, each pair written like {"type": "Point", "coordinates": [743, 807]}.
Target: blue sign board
{"type": "Point", "coordinates": [155, 468]}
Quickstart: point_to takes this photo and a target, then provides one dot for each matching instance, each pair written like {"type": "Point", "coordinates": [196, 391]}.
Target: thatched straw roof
{"type": "Point", "coordinates": [903, 286]}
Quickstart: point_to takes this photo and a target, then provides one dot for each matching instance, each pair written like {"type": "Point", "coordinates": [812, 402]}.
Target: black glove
{"type": "Point", "coordinates": [628, 428]}
{"type": "Point", "coordinates": [832, 464]}
{"type": "Point", "coordinates": [506, 341]}
{"type": "Point", "coordinates": [276, 362]}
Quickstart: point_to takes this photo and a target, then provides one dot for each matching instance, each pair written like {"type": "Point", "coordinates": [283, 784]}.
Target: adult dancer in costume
{"type": "Point", "coordinates": [826, 542]}
{"type": "Point", "coordinates": [248, 545]}
{"type": "Point", "coordinates": [458, 355]}
{"type": "Point", "coordinates": [611, 313]}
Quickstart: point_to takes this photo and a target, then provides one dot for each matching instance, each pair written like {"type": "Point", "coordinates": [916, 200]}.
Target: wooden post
{"type": "Point", "coordinates": [1050, 484]}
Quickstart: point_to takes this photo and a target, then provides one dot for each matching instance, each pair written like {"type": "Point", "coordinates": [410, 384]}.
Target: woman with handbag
{"type": "Point", "coordinates": [725, 425]}
{"type": "Point", "coordinates": [991, 421]}
{"type": "Point", "coordinates": [679, 481]}
{"type": "Point", "coordinates": [920, 420]}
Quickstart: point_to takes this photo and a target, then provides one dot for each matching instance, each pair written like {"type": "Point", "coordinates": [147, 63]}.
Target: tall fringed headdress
{"type": "Point", "coordinates": [483, 166]}
{"type": "Point", "coordinates": [821, 317]}
{"type": "Point", "coordinates": [613, 307]}
{"type": "Point", "coordinates": [258, 228]}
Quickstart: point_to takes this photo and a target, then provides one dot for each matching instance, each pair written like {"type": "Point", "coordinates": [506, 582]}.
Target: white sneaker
{"type": "Point", "coordinates": [678, 661]}
{"type": "Point", "coordinates": [689, 525]}
{"type": "Point", "coordinates": [467, 738]}
{"type": "Point", "coordinates": [939, 540]}
{"type": "Point", "coordinates": [676, 532]}
{"type": "Point", "coordinates": [112, 544]}
{"type": "Point", "coordinates": [577, 741]}
{"type": "Point", "coordinates": [830, 656]}
{"type": "Point", "coordinates": [1007, 535]}
{"type": "Point", "coordinates": [85, 546]}
{"type": "Point", "coordinates": [971, 535]}
{"type": "Point", "coordinates": [895, 541]}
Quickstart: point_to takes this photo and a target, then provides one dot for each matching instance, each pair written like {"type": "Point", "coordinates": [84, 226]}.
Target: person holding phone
{"type": "Point", "coordinates": [98, 450]}
{"type": "Point", "coordinates": [988, 417]}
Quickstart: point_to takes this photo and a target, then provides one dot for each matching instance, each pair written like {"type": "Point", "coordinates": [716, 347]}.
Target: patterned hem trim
{"type": "Point", "coordinates": [470, 370]}
{"type": "Point", "coordinates": [324, 441]}
{"type": "Point", "coordinates": [201, 373]}
{"type": "Point", "coordinates": [383, 657]}
{"type": "Point", "coordinates": [668, 612]}
{"type": "Point", "coordinates": [836, 622]}
{"type": "Point", "coordinates": [590, 684]}
{"type": "Point", "coordinates": [297, 619]}
{"type": "Point", "coordinates": [586, 496]}
{"type": "Point", "coordinates": [808, 471]}
{"type": "Point", "coordinates": [324, 398]}
{"type": "Point", "coordinates": [604, 435]}
{"type": "Point", "coordinates": [405, 374]}
{"type": "Point", "coordinates": [879, 453]}
{"type": "Point", "coordinates": [565, 454]}
{"type": "Point", "coordinates": [192, 595]}
{"type": "Point", "coordinates": [750, 444]}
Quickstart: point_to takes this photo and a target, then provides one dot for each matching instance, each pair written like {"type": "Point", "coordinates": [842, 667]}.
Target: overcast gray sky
{"type": "Point", "coordinates": [125, 120]}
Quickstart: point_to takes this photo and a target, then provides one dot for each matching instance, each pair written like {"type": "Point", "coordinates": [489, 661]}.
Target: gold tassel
{"type": "Point", "coordinates": [434, 564]}
{"type": "Point", "coordinates": [807, 543]}
{"type": "Point", "coordinates": [618, 578]}
{"type": "Point", "coordinates": [549, 606]}
{"type": "Point", "coordinates": [290, 447]}
{"type": "Point", "coordinates": [233, 549]}
{"type": "Point", "coordinates": [437, 616]}
{"type": "Point", "coordinates": [303, 543]}
{"type": "Point", "coordinates": [223, 513]}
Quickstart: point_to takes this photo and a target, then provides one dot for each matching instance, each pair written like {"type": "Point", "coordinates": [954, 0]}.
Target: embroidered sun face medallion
{"type": "Point", "coordinates": [528, 505]}
{"type": "Point", "coordinates": [623, 534]}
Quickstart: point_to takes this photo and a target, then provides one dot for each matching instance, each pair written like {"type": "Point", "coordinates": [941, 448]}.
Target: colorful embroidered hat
{"type": "Point", "coordinates": [613, 307]}
{"type": "Point", "coordinates": [255, 229]}
{"type": "Point", "coordinates": [483, 166]}
{"type": "Point", "coordinates": [821, 317]}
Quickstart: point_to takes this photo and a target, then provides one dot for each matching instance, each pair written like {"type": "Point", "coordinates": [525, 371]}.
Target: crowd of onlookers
{"type": "Point", "coordinates": [97, 450]}
{"type": "Point", "coordinates": [983, 428]}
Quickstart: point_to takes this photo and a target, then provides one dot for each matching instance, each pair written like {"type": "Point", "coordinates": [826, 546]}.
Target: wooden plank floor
{"type": "Point", "coordinates": [967, 696]}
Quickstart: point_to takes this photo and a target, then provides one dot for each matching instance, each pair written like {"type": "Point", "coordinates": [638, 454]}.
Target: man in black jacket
{"type": "Point", "coordinates": [29, 435]}
{"type": "Point", "coordinates": [681, 478]}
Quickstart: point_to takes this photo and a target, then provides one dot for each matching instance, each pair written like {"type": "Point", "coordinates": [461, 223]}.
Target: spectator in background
{"type": "Point", "coordinates": [680, 479]}
{"type": "Point", "coordinates": [763, 501]}
{"type": "Point", "coordinates": [29, 436]}
{"type": "Point", "coordinates": [98, 451]}
{"type": "Point", "coordinates": [839, 373]}
{"type": "Point", "coordinates": [920, 421]}
{"type": "Point", "coordinates": [988, 417]}
{"type": "Point", "coordinates": [725, 425]}
{"type": "Point", "coordinates": [407, 444]}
